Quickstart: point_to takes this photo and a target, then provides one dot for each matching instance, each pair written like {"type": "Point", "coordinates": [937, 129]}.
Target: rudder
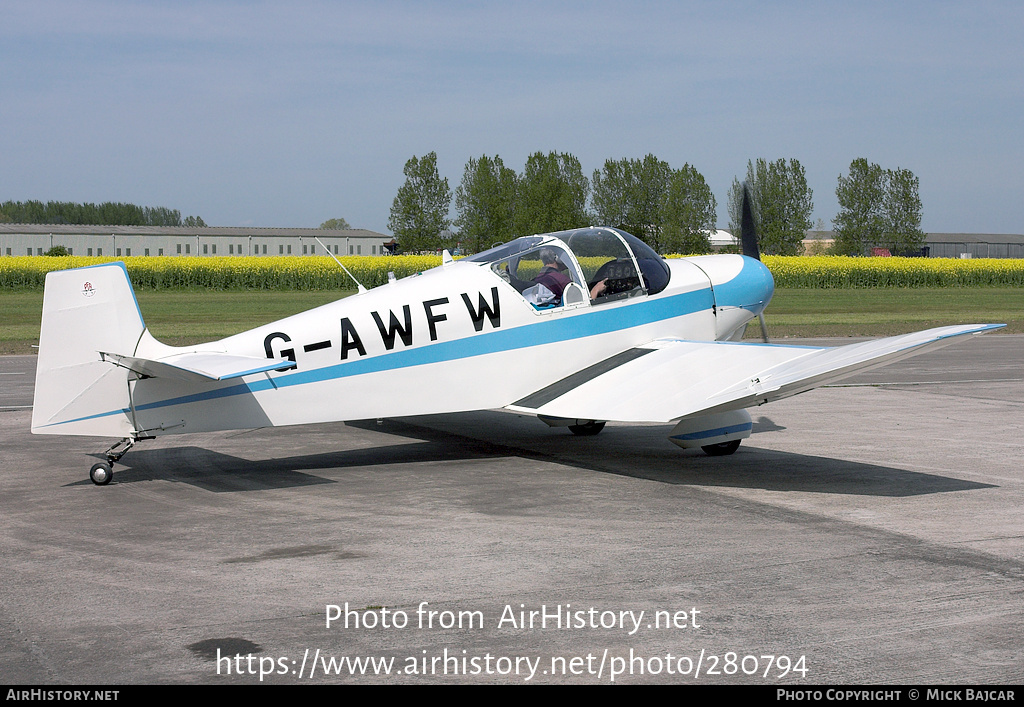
{"type": "Point", "coordinates": [85, 311]}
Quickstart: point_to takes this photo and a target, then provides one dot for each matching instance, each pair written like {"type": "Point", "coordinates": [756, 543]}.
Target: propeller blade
{"type": "Point", "coordinates": [748, 230]}
{"type": "Point", "coordinates": [748, 240]}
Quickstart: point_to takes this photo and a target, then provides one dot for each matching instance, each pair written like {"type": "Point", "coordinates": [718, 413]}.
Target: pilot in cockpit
{"type": "Point", "coordinates": [554, 276]}
{"type": "Point", "coordinates": [552, 273]}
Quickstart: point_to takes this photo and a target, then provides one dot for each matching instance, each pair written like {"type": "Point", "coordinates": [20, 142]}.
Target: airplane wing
{"type": "Point", "coordinates": [671, 379]}
{"type": "Point", "coordinates": [198, 366]}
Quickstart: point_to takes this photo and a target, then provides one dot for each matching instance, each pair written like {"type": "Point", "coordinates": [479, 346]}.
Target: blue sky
{"type": "Point", "coordinates": [287, 114]}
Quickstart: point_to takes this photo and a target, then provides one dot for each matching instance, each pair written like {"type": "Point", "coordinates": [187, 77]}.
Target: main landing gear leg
{"type": "Point", "coordinates": [722, 449]}
{"type": "Point", "coordinates": [587, 429]}
{"type": "Point", "coordinates": [101, 473]}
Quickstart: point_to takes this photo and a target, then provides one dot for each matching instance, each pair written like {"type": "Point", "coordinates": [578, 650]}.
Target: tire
{"type": "Point", "coordinates": [722, 449]}
{"type": "Point", "coordinates": [101, 474]}
{"type": "Point", "coordinates": [587, 429]}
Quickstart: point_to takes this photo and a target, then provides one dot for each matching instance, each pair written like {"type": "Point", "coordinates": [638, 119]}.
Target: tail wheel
{"type": "Point", "coordinates": [101, 474]}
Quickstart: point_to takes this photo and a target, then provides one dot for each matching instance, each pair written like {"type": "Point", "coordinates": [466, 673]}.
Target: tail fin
{"type": "Point", "coordinates": [85, 311]}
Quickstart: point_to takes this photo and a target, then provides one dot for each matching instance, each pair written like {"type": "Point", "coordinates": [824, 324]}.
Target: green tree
{"type": "Point", "coordinates": [419, 213]}
{"type": "Point", "coordinates": [630, 194]}
{"type": "Point", "coordinates": [687, 213]}
{"type": "Point", "coordinates": [194, 222]}
{"type": "Point", "coordinates": [734, 204]}
{"type": "Point", "coordinates": [108, 213]}
{"type": "Point", "coordinates": [784, 205]}
{"type": "Point", "coordinates": [902, 208]}
{"type": "Point", "coordinates": [610, 193]}
{"type": "Point", "coordinates": [552, 194]}
{"type": "Point", "coordinates": [485, 202]}
{"type": "Point", "coordinates": [860, 223]}
{"type": "Point", "coordinates": [335, 224]}
{"type": "Point", "coordinates": [57, 251]}
{"type": "Point", "coordinates": [161, 216]}
{"type": "Point", "coordinates": [781, 202]}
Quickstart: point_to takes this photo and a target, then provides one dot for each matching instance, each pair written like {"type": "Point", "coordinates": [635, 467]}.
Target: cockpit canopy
{"type": "Point", "coordinates": [556, 268]}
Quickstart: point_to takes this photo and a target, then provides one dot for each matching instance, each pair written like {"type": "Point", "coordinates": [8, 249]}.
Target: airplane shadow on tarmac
{"type": "Point", "coordinates": [644, 452]}
{"type": "Point", "coordinates": [218, 472]}
{"type": "Point", "coordinates": [635, 451]}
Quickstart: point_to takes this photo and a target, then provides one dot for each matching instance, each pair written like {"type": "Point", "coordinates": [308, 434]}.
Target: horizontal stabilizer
{"type": "Point", "coordinates": [671, 379]}
{"type": "Point", "coordinates": [198, 366]}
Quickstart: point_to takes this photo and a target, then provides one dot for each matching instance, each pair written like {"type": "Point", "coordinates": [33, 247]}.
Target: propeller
{"type": "Point", "coordinates": [748, 230]}
{"type": "Point", "coordinates": [748, 242]}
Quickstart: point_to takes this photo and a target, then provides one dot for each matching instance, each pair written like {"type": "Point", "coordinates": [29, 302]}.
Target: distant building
{"type": "Point", "coordinates": [945, 245]}
{"type": "Point", "coordinates": [722, 239]}
{"type": "Point", "coordinates": [975, 245]}
{"type": "Point", "coordinates": [124, 241]}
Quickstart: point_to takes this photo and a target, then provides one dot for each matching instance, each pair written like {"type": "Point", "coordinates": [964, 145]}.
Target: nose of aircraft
{"type": "Point", "coordinates": [742, 282]}
{"type": "Point", "coordinates": [762, 284]}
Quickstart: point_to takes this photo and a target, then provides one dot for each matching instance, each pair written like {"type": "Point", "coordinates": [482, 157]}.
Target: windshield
{"type": "Point", "coordinates": [611, 257]}
{"type": "Point", "coordinates": [504, 250]}
{"type": "Point", "coordinates": [652, 266]}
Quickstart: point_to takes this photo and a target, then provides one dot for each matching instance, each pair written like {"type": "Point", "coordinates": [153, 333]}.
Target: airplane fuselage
{"type": "Point", "coordinates": [450, 339]}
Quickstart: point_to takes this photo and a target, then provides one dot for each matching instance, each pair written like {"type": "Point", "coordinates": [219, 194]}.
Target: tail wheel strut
{"type": "Point", "coordinates": [102, 473]}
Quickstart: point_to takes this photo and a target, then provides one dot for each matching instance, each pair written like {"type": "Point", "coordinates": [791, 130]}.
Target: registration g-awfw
{"type": "Point", "coordinates": [578, 328]}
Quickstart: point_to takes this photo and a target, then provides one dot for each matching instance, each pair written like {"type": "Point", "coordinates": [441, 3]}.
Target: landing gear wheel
{"type": "Point", "coordinates": [722, 449]}
{"type": "Point", "coordinates": [587, 429]}
{"type": "Point", "coordinates": [101, 473]}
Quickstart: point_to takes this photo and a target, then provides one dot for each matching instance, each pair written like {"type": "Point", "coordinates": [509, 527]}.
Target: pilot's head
{"type": "Point", "coordinates": [549, 256]}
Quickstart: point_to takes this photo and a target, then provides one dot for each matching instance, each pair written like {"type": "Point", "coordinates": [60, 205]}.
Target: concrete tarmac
{"type": "Point", "coordinates": [869, 533]}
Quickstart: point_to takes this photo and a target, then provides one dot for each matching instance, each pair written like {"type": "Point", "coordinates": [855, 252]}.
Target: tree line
{"type": "Point", "coordinates": [106, 214]}
{"type": "Point", "coordinates": [673, 210]}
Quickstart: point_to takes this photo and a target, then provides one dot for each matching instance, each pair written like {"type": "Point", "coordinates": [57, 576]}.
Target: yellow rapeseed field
{"type": "Point", "coordinates": [831, 271]}
{"type": "Point", "coordinates": [322, 273]}
{"type": "Point", "coordinates": [226, 273]}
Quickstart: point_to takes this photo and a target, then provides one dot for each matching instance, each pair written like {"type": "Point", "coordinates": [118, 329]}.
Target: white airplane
{"type": "Point", "coordinates": [577, 327]}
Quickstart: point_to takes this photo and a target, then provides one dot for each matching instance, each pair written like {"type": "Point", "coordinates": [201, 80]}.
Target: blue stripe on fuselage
{"type": "Point", "coordinates": [602, 319]}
